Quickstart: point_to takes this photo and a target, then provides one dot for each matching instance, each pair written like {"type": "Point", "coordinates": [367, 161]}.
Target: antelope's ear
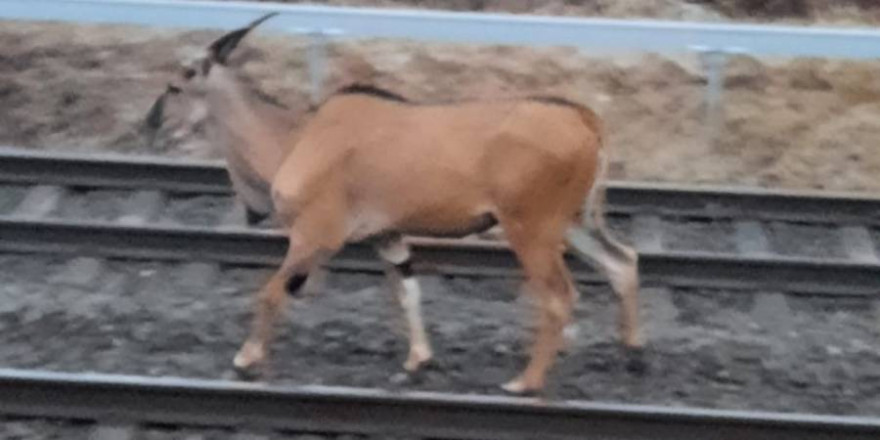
{"type": "Point", "coordinates": [219, 50]}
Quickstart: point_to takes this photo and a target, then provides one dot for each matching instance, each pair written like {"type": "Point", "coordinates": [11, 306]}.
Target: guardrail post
{"type": "Point", "coordinates": [316, 56]}
{"type": "Point", "coordinates": [714, 61]}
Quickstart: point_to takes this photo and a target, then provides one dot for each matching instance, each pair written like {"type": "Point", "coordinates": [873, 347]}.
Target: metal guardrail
{"type": "Point", "coordinates": [589, 33]}
{"type": "Point", "coordinates": [119, 398]}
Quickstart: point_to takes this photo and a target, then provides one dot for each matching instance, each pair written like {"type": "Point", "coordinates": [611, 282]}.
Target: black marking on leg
{"type": "Point", "coordinates": [295, 283]}
{"type": "Point", "coordinates": [254, 217]}
{"type": "Point", "coordinates": [405, 269]}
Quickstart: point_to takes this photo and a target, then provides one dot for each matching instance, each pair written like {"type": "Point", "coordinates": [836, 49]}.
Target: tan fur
{"type": "Point", "coordinates": [445, 165]}
{"type": "Point", "coordinates": [366, 166]}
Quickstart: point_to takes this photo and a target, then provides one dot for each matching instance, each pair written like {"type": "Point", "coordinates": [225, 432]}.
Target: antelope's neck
{"type": "Point", "coordinates": [251, 133]}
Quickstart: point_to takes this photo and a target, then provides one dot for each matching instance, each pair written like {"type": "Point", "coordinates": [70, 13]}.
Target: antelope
{"type": "Point", "coordinates": [368, 165]}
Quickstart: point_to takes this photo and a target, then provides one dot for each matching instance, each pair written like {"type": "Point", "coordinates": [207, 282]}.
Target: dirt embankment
{"type": "Point", "coordinates": [809, 11]}
{"type": "Point", "coordinates": [799, 124]}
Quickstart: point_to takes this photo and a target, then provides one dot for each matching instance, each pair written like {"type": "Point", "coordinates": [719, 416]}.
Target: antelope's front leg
{"type": "Point", "coordinates": [288, 280]}
{"type": "Point", "coordinates": [409, 294]}
{"type": "Point", "coordinates": [419, 348]}
{"type": "Point", "coordinates": [270, 302]}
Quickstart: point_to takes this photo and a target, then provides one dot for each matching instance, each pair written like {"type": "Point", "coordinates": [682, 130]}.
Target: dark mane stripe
{"type": "Point", "coordinates": [555, 100]}
{"type": "Point", "coordinates": [365, 89]}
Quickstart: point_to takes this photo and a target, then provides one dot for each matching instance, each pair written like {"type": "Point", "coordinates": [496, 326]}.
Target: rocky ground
{"type": "Point", "coordinates": [716, 348]}
{"type": "Point", "coordinates": [722, 349]}
{"type": "Point", "coordinates": [41, 429]}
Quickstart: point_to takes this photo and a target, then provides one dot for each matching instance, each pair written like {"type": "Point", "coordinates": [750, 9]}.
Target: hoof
{"type": "Point", "coordinates": [417, 358]}
{"type": "Point", "coordinates": [247, 373]}
{"type": "Point", "coordinates": [247, 362]}
{"type": "Point", "coordinates": [520, 387]}
{"type": "Point", "coordinates": [635, 360]}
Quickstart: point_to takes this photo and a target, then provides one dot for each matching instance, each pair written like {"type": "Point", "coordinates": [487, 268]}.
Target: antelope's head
{"type": "Point", "coordinates": [200, 75]}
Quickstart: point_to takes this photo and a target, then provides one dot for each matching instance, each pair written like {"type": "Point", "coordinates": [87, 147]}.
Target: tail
{"type": "Point", "coordinates": [592, 212]}
{"type": "Point", "coordinates": [592, 215]}
{"type": "Point", "coordinates": [583, 236]}
{"type": "Point", "coordinates": [593, 122]}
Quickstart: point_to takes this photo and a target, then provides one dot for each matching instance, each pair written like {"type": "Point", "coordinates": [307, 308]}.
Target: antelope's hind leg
{"type": "Point", "coordinates": [549, 279]}
{"type": "Point", "coordinates": [394, 251]}
{"type": "Point", "coordinates": [619, 263]}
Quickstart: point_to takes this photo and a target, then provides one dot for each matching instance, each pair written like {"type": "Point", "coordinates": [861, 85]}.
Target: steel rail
{"type": "Point", "coordinates": [367, 411]}
{"type": "Point", "coordinates": [108, 170]}
{"type": "Point", "coordinates": [596, 34]}
{"type": "Point", "coordinates": [626, 198]}
{"type": "Point", "coordinates": [242, 246]}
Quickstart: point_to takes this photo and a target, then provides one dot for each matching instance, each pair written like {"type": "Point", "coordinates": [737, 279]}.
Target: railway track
{"type": "Point", "coordinates": [141, 214]}
{"type": "Point", "coordinates": [745, 243]}
{"type": "Point", "coordinates": [129, 401]}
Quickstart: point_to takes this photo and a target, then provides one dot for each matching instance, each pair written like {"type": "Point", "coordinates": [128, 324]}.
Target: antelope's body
{"type": "Point", "coordinates": [385, 166]}
{"type": "Point", "coordinates": [368, 165]}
